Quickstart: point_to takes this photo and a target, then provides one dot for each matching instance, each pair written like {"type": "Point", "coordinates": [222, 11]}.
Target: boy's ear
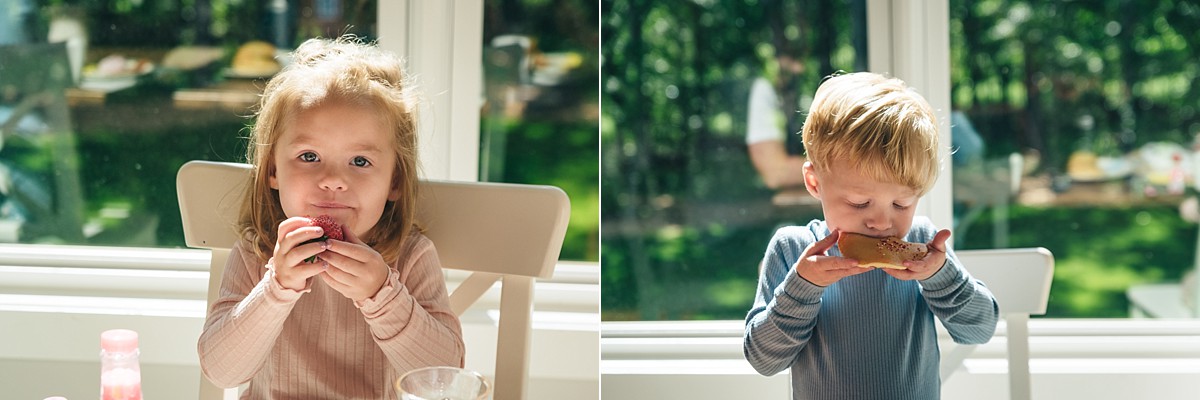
{"type": "Point", "coordinates": [810, 180]}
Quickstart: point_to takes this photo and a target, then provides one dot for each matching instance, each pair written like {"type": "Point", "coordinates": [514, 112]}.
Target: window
{"type": "Point", "coordinates": [1073, 124]}
{"type": "Point", "coordinates": [540, 113]}
{"type": "Point", "coordinates": [149, 86]}
{"type": "Point", "coordinates": [686, 215]}
{"type": "Point", "coordinates": [1076, 131]}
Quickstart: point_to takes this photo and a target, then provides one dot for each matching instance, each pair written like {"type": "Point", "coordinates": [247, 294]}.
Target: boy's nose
{"type": "Point", "coordinates": [879, 222]}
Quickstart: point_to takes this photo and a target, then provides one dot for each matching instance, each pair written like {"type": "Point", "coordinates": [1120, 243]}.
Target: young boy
{"type": "Point", "coordinates": [845, 331]}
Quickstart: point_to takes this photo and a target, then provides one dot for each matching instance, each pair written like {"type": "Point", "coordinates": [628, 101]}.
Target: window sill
{"type": "Point", "coordinates": [1070, 358]}
{"type": "Point", "coordinates": [1049, 338]}
{"type": "Point", "coordinates": [63, 296]}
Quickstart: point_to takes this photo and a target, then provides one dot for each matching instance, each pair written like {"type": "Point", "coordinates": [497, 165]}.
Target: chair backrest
{"type": "Point", "coordinates": [1020, 280]}
{"type": "Point", "coordinates": [507, 232]}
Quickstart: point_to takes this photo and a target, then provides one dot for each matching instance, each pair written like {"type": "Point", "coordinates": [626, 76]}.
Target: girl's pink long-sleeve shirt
{"type": "Point", "coordinates": [316, 343]}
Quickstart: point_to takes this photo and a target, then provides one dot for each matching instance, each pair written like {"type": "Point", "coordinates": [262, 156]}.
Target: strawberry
{"type": "Point", "coordinates": [332, 230]}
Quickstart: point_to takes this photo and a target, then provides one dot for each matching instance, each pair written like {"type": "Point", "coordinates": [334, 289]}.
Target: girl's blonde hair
{"type": "Point", "coordinates": [345, 71]}
{"type": "Point", "coordinates": [886, 130]}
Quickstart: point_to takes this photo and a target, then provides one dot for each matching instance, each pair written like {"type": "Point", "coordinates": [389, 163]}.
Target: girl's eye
{"type": "Point", "coordinates": [309, 156]}
{"type": "Point", "coordinates": [360, 161]}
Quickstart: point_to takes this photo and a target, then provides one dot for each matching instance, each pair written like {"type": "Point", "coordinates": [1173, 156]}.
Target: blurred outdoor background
{"type": "Point", "coordinates": [158, 83]}
{"type": "Point", "coordinates": [1075, 124]}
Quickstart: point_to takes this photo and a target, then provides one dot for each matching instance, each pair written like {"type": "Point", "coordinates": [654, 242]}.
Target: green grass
{"type": "Point", "coordinates": [1100, 252]}
{"type": "Point", "coordinates": [711, 273]}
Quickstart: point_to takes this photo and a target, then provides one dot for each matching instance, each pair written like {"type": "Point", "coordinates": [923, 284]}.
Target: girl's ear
{"type": "Point", "coordinates": [810, 180]}
{"type": "Point", "coordinates": [394, 194]}
{"type": "Point", "coordinates": [274, 182]}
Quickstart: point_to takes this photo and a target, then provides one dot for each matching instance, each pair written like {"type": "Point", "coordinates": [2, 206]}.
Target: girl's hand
{"type": "Point", "coordinates": [931, 264]}
{"type": "Point", "coordinates": [355, 270]}
{"type": "Point", "coordinates": [288, 259]}
{"type": "Point", "coordinates": [823, 270]}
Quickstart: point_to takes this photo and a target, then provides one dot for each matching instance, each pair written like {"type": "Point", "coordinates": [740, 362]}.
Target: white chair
{"type": "Point", "coordinates": [501, 232]}
{"type": "Point", "coordinates": [1020, 280]}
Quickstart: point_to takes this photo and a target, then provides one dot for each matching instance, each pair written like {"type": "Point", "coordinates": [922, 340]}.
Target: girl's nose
{"type": "Point", "coordinates": [332, 181]}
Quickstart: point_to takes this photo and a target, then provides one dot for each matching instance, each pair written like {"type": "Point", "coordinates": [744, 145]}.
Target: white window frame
{"type": "Point", "coordinates": [910, 40]}
{"type": "Point", "coordinates": [435, 34]}
{"type": "Point", "coordinates": [907, 39]}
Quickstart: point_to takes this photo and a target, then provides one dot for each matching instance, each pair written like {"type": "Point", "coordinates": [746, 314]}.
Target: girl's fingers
{"type": "Point", "coordinates": [295, 239]}
{"type": "Point", "coordinates": [338, 276]}
{"type": "Point", "coordinates": [352, 251]}
{"type": "Point", "coordinates": [343, 264]}
{"type": "Point", "coordinates": [297, 255]}
{"type": "Point", "coordinates": [351, 237]}
{"type": "Point", "coordinates": [308, 270]}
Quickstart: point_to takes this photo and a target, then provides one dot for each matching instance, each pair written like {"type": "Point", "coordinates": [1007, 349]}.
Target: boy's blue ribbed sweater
{"type": "Point", "coordinates": [867, 336]}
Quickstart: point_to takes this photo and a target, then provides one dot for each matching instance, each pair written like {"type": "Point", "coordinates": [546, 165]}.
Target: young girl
{"type": "Point", "coordinates": [336, 136]}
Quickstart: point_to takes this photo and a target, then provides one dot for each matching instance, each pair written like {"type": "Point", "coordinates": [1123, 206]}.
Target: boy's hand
{"type": "Point", "coordinates": [931, 264]}
{"type": "Point", "coordinates": [823, 270]}
{"type": "Point", "coordinates": [288, 258]}
{"type": "Point", "coordinates": [355, 270]}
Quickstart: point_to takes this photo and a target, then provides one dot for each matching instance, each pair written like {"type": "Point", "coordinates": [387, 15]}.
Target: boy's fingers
{"type": "Point", "coordinates": [823, 245]}
{"type": "Point", "coordinates": [857, 270]}
{"type": "Point", "coordinates": [897, 273]}
{"type": "Point", "coordinates": [838, 263]}
{"type": "Point", "coordinates": [939, 240]}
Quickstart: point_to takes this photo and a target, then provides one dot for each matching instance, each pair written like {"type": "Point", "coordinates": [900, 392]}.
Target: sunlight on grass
{"type": "Point", "coordinates": [731, 293]}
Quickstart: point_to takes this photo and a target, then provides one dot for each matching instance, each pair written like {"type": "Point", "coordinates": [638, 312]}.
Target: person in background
{"type": "Point", "coordinates": [767, 124]}
{"type": "Point", "coordinates": [335, 136]}
{"type": "Point", "coordinates": [848, 332]}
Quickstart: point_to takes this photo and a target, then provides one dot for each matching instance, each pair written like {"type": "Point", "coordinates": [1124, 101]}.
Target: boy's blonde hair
{"type": "Point", "coordinates": [885, 129]}
{"type": "Point", "coordinates": [344, 71]}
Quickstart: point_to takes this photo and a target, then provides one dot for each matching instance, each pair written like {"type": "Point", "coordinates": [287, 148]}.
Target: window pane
{"type": "Point", "coordinates": [686, 214]}
{"type": "Point", "coordinates": [95, 129]}
{"type": "Point", "coordinates": [539, 120]}
{"type": "Point", "coordinates": [1076, 129]}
